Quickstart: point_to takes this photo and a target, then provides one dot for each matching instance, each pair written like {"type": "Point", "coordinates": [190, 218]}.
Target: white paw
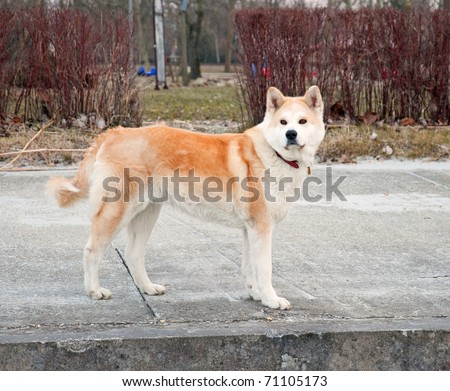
{"type": "Point", "coordinates": [277, 302]}
{"type": "Point", "coordinates": [154, 289]}
{"type": "Point", "coordinates": [99, 294]}
{"type": "Point", "coordinates": [253, 293]}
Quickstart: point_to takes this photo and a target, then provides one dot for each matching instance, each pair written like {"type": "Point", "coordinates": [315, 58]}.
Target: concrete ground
{"type": "Point", "coordinates": [368, 278]}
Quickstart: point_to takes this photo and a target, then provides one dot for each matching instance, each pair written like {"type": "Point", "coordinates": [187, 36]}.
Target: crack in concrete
{"type": "Point", "coordinates": [428, 180]}
{"type": "Point", "coordinates": [147, 304]}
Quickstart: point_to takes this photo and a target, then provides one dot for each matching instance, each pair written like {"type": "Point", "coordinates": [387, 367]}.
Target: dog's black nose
{"type": "Point", "coordinates": [291, 134]}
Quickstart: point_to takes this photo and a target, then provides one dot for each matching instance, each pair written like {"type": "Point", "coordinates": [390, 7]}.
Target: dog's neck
{"type": "Point", "coordinates": [292, 163]}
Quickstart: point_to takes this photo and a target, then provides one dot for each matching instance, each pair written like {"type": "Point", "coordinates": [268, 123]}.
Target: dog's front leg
{"type": "Point", "coordinates": [260, 260]}
{"type": "Point", "coordinates": [248, 270]}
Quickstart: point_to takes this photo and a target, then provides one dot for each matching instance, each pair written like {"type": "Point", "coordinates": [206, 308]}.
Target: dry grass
{"type": "Point", "coordinates": [406, 142]}
{"type": "Point", "coordinates": [215, 110]}
{"type": "Point", "coordinates": [343, 144]}
{"type": "Point", "coordinates": [52, 139]}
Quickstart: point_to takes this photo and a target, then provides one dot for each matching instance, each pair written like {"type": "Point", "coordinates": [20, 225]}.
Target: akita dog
{"type": "Point", "coordinates": [241, 180]}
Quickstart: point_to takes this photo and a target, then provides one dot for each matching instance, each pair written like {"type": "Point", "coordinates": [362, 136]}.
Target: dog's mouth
{"type": "Point", "coordinates": [293, 144]}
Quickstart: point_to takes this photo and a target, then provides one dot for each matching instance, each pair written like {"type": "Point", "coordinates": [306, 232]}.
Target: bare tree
{"type": "Point", "coordinates": [400, 4]}
{"type": "Point", "coordinates": [195, 21]}
{"type": "Point", "coordinates": [341, 3]}
{"type": "Point", "coordinates": [299, 4]}
{"type": "Point", "coordinates": [230, 34]}
{"type": "Point", "coordinates": [143, 14]}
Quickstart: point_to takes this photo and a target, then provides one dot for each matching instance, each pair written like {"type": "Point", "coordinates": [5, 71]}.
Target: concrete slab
{"type": "Point", "coordinates": [368, 278]}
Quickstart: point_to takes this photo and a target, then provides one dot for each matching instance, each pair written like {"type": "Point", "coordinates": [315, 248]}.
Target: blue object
{"type": "Point", "coordinates": [141, 71]}
{"type": "Point", "coordinates": [152, 72]}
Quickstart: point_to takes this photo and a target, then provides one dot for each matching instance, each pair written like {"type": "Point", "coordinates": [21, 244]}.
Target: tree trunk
{"type": "Point", "coordinates": [195, 30]}
{"type": "Point", "coordinates": [230, 35]}
{"type": "Point", "coordinates": [184, 70]}
{"type": "Point", "coordinates": [142, 47]}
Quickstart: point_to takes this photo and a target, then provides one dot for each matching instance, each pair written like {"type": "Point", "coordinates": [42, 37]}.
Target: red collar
{"type": "Point", "coordinates": [292, 163]}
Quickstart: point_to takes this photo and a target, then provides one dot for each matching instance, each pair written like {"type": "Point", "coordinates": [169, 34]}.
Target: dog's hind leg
{"type": "Point", "coordinates": [138, 231]}
{"type": "Point", "coordinates": [106, 222]}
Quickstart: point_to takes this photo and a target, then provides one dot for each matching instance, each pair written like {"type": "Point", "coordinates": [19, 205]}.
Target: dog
{"type": "Point", "coordinates": [241, 180]}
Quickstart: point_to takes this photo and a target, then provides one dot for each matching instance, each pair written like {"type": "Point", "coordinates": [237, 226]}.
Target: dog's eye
{"type": "Point", "coordinates": [283, 122]}
{"type": "Point", "coordinates": [302, 121]}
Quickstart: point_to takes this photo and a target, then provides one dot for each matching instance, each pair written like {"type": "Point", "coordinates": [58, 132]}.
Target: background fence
{"type": "Point", "coordinates": [62, 63]}
{"type": "Point", "coordinates": [390, 62]}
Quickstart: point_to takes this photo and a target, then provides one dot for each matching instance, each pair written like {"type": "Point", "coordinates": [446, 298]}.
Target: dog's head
{"type": "Point", "coordinates": [294, 126]}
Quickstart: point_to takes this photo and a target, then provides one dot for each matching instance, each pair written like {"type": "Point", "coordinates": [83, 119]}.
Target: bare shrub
{"type": "Point", "coordinates": [64, 63]}
{"type": "Point", "coordinates": [5, 80]}
{"type": "Point", "coordinates": [386, 61]}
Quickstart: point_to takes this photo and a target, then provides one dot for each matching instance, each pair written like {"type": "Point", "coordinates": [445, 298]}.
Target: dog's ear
{"type": "Point", "coordinates": [274, 100]}
{"type": "Point", "coordinates": [313, 99]}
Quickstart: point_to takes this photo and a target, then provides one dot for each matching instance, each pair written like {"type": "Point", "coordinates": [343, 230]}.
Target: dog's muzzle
{"type": "Point", "coordinates": [291, 136]}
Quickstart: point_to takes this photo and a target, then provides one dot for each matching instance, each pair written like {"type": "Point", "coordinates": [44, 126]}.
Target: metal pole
{"type": "Point", "coordinates": [158, 16]}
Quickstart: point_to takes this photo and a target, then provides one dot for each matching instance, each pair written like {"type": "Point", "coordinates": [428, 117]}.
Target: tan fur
{"type": "Point", "coordinates": [68, 191]}
{"type": "Point", "coordinates": [132, 157]}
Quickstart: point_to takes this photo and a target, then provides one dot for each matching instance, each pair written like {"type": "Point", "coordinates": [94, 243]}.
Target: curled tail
{"type": "Point", "coordinates": [68, 191]}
